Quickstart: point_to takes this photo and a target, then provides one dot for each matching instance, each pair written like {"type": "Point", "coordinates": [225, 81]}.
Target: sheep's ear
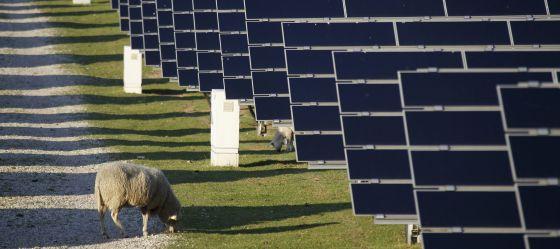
{"type": "Point", "coordinates": [173, 217]}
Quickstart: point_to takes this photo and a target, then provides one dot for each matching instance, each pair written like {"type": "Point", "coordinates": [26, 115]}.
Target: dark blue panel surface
{"type": "Point", "coordinates": [184, 40]}
{"type": "Point", "coordinates": [532, 32]}
{"type": "Point", "coordinates": [319, 148]}
{"type": "Point", "coordinates": [455, 128]}
{"type": "Point", "coordinates": [123, 10]}
{"type": "Point", "coordinates": [125, 25]}
{"type": "Point", "coordinates": [114, 4]}
{"type": "Point", "coordinates": [394, 8]}
{"type": "Point", "coordinates": [471, 241]}
{"type": "Point", "coordinates": [206, 20]}
{"type": "Point", "coordinates": [209, 61]}
{"type": "Point", "coordinates": [270, 82]}
{"type": "Point", "coordinates": [136, 28]}
{"type": "Point", "coordinates": [188, 77]}
{"type": "Point", "coordinates": [535, 157]}
{"type": "Point", "coordinates": [148, 10]}
{"type": "Point", "coordinates": [272, 108]}
{"type": "Point", "coordinates": [208, 41]}
{"type": "Point", "coordinates": [186, 59]}
{"type": "Point", "coordinates": [461, 168]}
{"type": "Point", "coordinates": [453, 33]}
{"type": "Point", "coordinates": [183, 21]}
{"type": "Point", "coordinates": [234, 43]}
{"type": "Point", "coordinates": [544, 243]}
{"type": "Point", "coordinates": [369, 97]}
{"type": "Point", "coordinates": [166, 35]}
{"type": "Point", "coordinates": [204, 4]}
{"type": "Point", "coordinates": [388, 199]}
{"type": "Point", "coordinates": [209, 81]}
{"type": "Point", "coordinates": [309, 62]}
{"type": "Point", "coordinates": [374, 131]}
{"type": "Point", "coordinates": [468, 209]}
{"type": "Point", "coordinates": [267, 57]}
{"type": "Point", "coordinates": [151, 42]}
{"type": "Point", "coordinates": [168, 52]}
{"type": "Point", "coordinates": [237, 66]}
{"type": "Point", "coordinates": [554, 6]}
{"type": "Point", "coordinates": [135, 13]}
{"type": "Point", "coordinates": [467, 89]}
{"type": "Point", "coordinates": [169, 69]}
{"type": "Point", "coordinates": [495, 7]}
{"type": "Point", "coordinates": [313, 90]}
{"type": "Point", "coordinates": [182, 5]}
{"type": "Point", "coordinates": [238, 88]}
{"type": "Point", "coordinates": [294, 9]}
{"type": "Point", "coordinates": [152, 58]}
{"type": "Point", "coordinates": [378, 164]}
{"type": "Point", "coordinates": [540, 207]}
{"type": "Point", "coordinates": [150, 26]}
{"type": "Point", "coordinates": [339, 34]}
{"type": "Point", "coordinates": [384, 65]}
{"type": "Point", "coordinates": [164, 4]}
{"type": "Point", "coordinates": [316, 118]}
{"type": "Point", "coordinates": [136, 42]}
{"type": "Point", "coordinates": [231, 4]}
{"type": "Point", "coordinates": [534, 59]}
{"type": "Point", "coordinates": [230, 22]}
{"type": "Point", "coordinates": [265, 32]}
{"type": "Point", "coordinates": [165, 18]}
{"type": "Point", "coordinates": [531, 108]}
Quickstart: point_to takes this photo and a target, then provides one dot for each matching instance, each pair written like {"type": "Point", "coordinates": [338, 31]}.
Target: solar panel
{"type": "Point", "coordinates": [272, 108]}
{"type": "Point", "coordinates": [540, 206]}
{"type": "Point", "coordinates": [265, 83]}
{"type": "Point", "coordinates": [314, 148]}
{"type": "Point", "coordinates": [309, 62]}
{"type": "Point", "coordinates": [462, 88]}
{"type": "Point", "coordinates": [535, 157]}
{"type": "Point", "coordinates": [543, 242]}
{"type": "Point", "coordinates": [531, 108]}
{"type": "Point", "coordinates": [115, 4]}
{"type": "Point", "coordinates": [123, 13]}
{"type": "Point", "coordinates": [537, 32]}
{"type": "Point", "coordinates": [150, 33]}
{"type": "Point", "coordinates": [455, 128]}
{"type": "Point", "coordinates": [476, 240]}
{"type": "Point", "coordinates": [294, 9]}
{"type": "Point", "coordinates": [355, 98]}
{"type": "Point", "coordinates": [362, 131]}
{"type": "Point", "coordinates": [453, 33]}
{"type": "Point", "coordinates": [468, 209]}
{"type": "Point", "coordinates": [394, 8]}
{"type": "Point", "coordinates": [378, 164]}
{"type": "Point", "coordinates": [306, 90]}
{"type": "Point", "coordinates": [338, 34]}
{"type": "Point", "coordinates": [496, 8]}
{"type": "Point", "coordinates": [554, 6]}
{"type": "Point", "coordinates": [136, 24]}
{"type": "Point", "coordinates": [166, 38]}
{"type": "Point", "coordinates": [452, 168]}
{"type": "Point", "coordinates": [514, 59]}
{"type": "Point", "coordinates": [383, 199]}
{"type": "Point", "coordinates": [316, 118]}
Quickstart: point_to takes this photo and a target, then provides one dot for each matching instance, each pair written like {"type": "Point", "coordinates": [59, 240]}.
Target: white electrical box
{"type": "Point", "coordinates": [84, 2]}
{"type": "Point", "coordinates": [224, 131]}
{"type": "Point", "coordinates": [132, 75]}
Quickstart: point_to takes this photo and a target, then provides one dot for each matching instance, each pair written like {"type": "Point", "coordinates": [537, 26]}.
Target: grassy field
{"type": "Point", "coordinates": [269, 202]}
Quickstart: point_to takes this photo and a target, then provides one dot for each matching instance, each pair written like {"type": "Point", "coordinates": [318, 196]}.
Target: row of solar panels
{"type": "Point", "coordinates": [341, 81]}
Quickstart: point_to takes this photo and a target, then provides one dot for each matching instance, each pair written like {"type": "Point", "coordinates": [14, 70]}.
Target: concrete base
{"type": "Point", "coordinates": [224, 159]}
{"type": "Point", "coordinates": [132, 73]}
{"type": "Point", "coordinates": [81, 2]}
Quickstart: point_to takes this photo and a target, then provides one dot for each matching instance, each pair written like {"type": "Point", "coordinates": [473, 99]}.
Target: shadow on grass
{"type": "Point", "coordinates": [12, 60]}
{"type": "Point", "coordinates": [84, 131]}
{"type": "Point", "coordinates": [33, 7]}
{"type": "Point", "coordinates": [31, 42]}
{"type": "Point", "coordinates": [164, 92]}
{"type": "Point", "coordinates": [269, 162]}
{"type": "Point", "coordinates": [74, 117]}
{"type": "Point", "coordinates": [197, 176]}
{"type": "Point", "coordinates": [59, 14]}
{"type": "Point", "coordinates": [220, 219]}
{"type": "Point", "coordinates": [30, 144]}
{"type": "Point", "coordinates": [40, 102]}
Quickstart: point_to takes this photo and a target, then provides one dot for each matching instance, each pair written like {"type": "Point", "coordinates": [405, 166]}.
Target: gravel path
{"type": "Point", "coordinates": [47, 170]}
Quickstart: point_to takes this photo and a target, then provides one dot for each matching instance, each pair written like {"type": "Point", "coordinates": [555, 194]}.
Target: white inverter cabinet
{"type": "Point", "coordinates": [224, 136]}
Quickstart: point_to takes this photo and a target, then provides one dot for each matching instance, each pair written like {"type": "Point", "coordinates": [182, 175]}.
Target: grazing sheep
{"type": "Point", "coordinates": [128, 185]}
{"type": "Point", "coordinates": [284, 135]}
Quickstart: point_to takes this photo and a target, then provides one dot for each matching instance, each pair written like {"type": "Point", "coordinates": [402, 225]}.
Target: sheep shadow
{"type": "Point", "coordinates": [232, 219]}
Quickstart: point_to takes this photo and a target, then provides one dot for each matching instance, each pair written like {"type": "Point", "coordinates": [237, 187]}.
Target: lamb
{"type": "Point", "coordinates": [284, 135]}
{"type": "Point", "coordinates": [129, 185]}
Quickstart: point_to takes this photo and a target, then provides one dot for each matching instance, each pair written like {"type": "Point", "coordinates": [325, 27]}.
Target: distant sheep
{"type": "Point", "coordinates": [128, 185]}
{"type": "Point", "coordinates": [284, 135]}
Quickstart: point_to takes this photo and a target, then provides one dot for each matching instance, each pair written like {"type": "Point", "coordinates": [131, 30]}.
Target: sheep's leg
{"type": "Point", "coordinates": [115, 216]}
{"type": "Point", "coordinates": [145, 217]}
{"type": "Point", "coordinates": [102, 210]}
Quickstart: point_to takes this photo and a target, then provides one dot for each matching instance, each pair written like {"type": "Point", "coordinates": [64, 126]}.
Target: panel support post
{"type": "Point", "coordinates": [132, 73]}
{"type": "Point", "coordinates": [224, 132]}
{"type": "Point", "coordinates": [81, 2]}
{"type": "Point", "coordinates": [413, 234]}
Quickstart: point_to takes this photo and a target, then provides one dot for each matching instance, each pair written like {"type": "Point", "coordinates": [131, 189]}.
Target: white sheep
{"type": "Point", "coordinates": [128, 185]}
{"type": "Point", "coordinates": [284, 135]}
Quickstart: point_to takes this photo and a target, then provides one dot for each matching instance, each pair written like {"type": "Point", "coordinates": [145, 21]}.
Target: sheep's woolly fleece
{"type": "Point", "coordinates": [47, 169]}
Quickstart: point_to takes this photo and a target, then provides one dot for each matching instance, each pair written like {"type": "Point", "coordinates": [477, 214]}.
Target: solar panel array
{"type": "Point", "coordinates": [445, 112]}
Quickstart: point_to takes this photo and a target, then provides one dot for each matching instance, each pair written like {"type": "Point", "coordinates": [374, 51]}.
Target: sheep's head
{"type": "Point", "coordinates": [170, 213]}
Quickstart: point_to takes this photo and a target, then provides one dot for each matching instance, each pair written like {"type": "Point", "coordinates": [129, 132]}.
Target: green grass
{"type": "Point", "coordinates": [269, 202]}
